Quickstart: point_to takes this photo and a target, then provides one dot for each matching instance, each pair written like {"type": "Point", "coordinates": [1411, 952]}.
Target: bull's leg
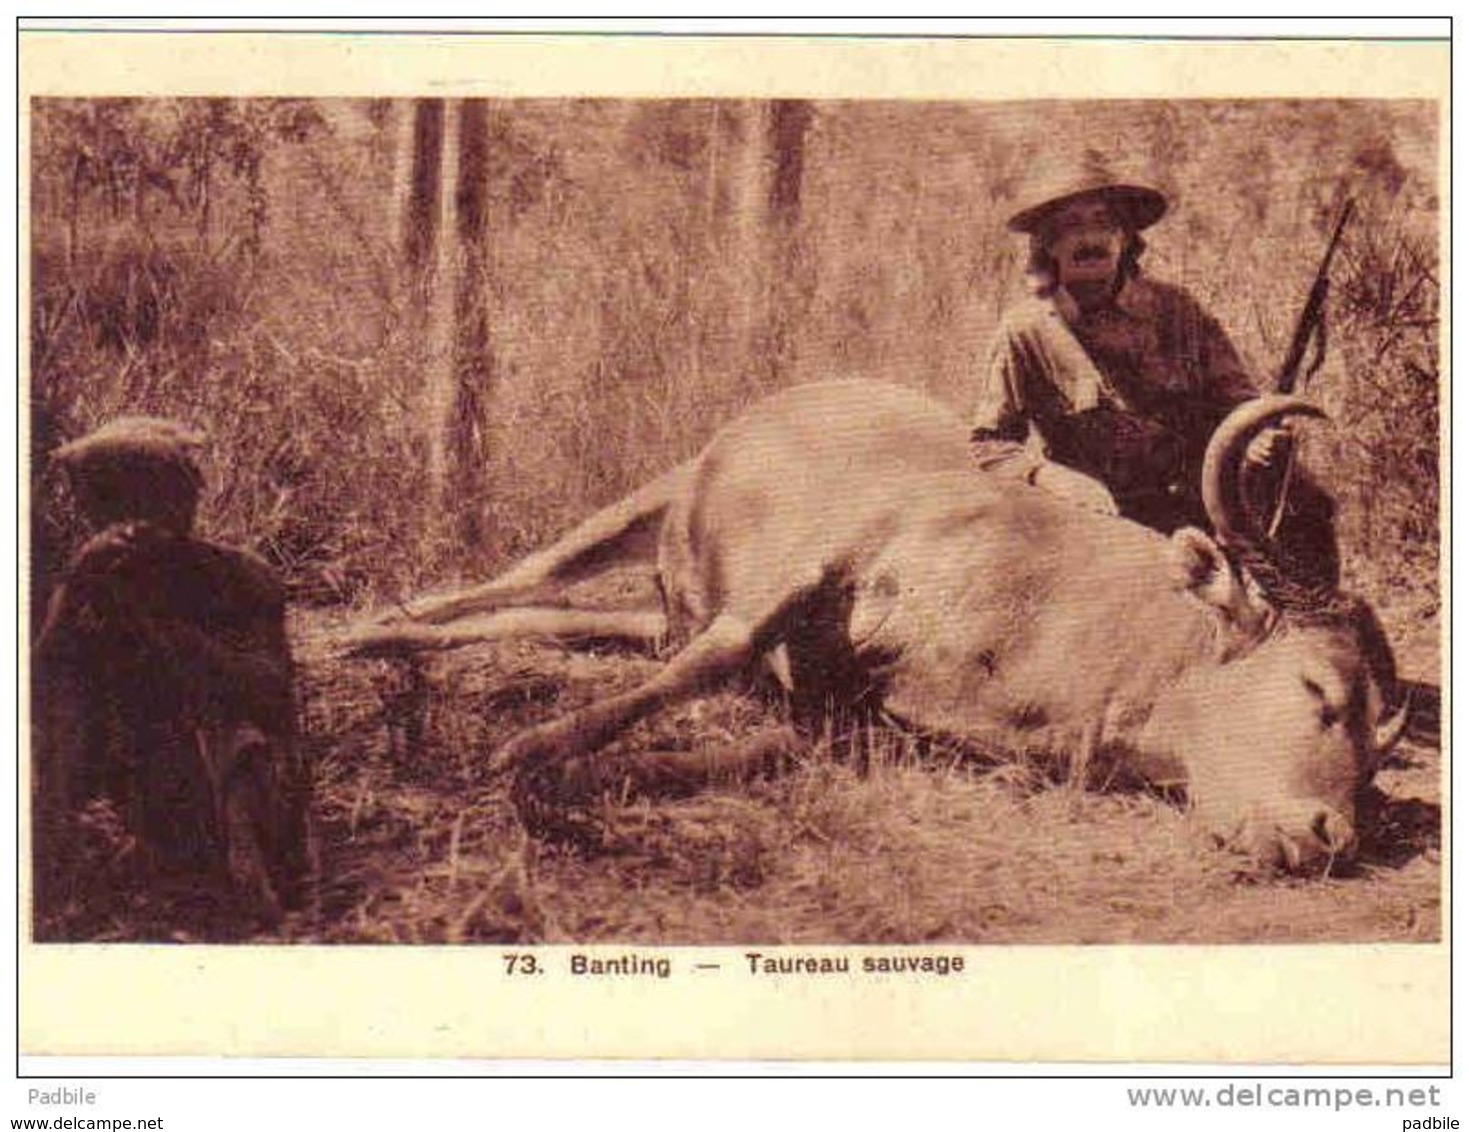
{"type": "Point", "coordinates": [457, 605]}
{"type": "Point", "coordinates": [642, 629]}
{"type": "Point", "coordinates": [621, 534]}
{"type": "Point", "coordinates": [722, 649]}
{"type": "Point", "coordinates": [541, 795]}
{"type": "Point", "coordinates": [832, 691]}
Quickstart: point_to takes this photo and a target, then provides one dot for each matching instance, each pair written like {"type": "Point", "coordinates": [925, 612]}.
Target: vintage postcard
{"type": "Point", "coordinates": [608, 546]}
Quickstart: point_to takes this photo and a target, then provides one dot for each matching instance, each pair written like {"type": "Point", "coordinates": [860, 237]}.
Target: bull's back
{"type": "Point", "coordinates": [833, 427]}
{"type": "Point", "coordinates": [802, 485]}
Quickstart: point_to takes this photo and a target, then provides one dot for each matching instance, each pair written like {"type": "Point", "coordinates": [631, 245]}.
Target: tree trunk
{"type": "Point", "coordinates": [789, 122]}
{"type": "Point", "coordinates": [747, 188]}
{"type": "Point", "coordinates": [206, 203]}
{"type": "Point", "coordinates": [444, 247]}
{"type": "Point", "coordinates": [140, 204]}
{"type": "Point", "coordinates": [425, 156]}
{"type": "Point", "coordinates": [73, 217]}
{"type": "Point", "coordinates": [439, 330]}
{"type": "Point", "coordinates": [473, 361]}
{"type": "Point", "coordinates": [428, 257]}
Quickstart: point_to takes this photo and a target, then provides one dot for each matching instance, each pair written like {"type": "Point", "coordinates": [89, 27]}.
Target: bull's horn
{"type": "Point", "coordinates": [1388, 731]}
{"type": "Point", "coordinates": [1221, 486]}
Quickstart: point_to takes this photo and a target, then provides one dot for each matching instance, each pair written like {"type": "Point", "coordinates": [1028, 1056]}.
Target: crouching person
{"type": "Point", "coordinates": [164, 685]}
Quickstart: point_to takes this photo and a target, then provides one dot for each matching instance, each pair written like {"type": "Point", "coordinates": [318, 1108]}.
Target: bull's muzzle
{"type": "Point", "coordinates": [1330, 838]}
{"type": "Point", "coordinates": [1308, 839]}
{"type": "Point", "coordinates": [1323, 839]}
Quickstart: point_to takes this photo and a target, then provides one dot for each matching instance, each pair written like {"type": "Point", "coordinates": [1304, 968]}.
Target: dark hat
{"type": "Point", "coordinates": [1136, 206]}
{"type": "Point", "coordinates": [130, 442]}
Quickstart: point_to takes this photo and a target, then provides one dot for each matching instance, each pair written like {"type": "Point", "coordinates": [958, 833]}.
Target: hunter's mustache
{"type": "Point", "coordinates": [1088, 253]}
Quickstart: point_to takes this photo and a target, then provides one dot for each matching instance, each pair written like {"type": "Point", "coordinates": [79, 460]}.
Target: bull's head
{"type": "Point", "coordinates": [1282, 734]}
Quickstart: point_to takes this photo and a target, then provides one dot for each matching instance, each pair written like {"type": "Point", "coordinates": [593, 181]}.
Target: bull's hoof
{"type": "Point", "coordinates": [527, 752]}
{"type": "Point", "coordinates": [382, 642]}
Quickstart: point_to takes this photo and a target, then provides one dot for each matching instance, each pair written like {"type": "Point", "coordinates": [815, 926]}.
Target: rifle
{"type": "Point", "coordinates": [1311, 325]}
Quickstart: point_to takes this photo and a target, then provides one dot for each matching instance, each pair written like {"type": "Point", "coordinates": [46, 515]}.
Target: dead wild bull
{"type": "Point", "coordinates": [845, 523]}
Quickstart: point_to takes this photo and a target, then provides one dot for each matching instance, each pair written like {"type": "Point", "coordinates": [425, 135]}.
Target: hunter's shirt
{"type": "Point", "coordinates": [1129, 393]}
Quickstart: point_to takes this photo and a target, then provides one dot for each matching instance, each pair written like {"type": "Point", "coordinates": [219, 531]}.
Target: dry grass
{"type": "Point", "coordinates": [419, 846]}
{"type": "Point", "coordinates": [639, 297]}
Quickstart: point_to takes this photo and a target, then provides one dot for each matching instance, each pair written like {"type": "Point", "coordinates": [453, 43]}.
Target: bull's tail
{"type": "Point", "coordinates": [623, 533]}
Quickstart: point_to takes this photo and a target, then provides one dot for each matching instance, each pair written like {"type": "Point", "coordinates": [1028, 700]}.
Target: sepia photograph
{"type": "Point", "coordinates": [786, 524]}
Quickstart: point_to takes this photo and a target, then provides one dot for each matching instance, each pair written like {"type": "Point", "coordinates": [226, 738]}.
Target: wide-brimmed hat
{"type": "Point", "coordinates": [1136, 206]}
{"type": "Point", "coordinates": [130, 442]}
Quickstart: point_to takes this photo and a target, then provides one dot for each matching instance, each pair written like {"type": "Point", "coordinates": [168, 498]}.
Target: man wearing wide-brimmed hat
{"type": "Point", "coordinates": [1104, 385]}
{"type": "Point", "coordinates": [164, 682]}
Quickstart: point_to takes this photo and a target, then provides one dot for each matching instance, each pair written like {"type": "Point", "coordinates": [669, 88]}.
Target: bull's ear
{"type": "Point", "coordinates": [1202, 569]}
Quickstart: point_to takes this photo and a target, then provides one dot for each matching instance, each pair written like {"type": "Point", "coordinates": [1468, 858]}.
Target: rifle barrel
{"type": "Point", "coordinates": [1310, 316]}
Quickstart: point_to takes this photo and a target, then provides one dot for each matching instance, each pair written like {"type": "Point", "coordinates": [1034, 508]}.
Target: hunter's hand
{"type": "Point", "coordinates": [112, 548]}
{"type": "Point", "coordinates": [1269, 448]}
